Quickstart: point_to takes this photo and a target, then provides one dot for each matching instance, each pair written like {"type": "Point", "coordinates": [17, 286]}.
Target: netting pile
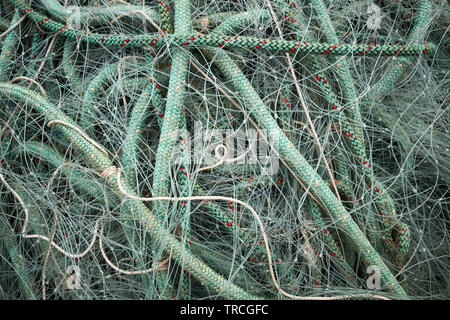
{"type": "Point", "coordinates": [240, 149]}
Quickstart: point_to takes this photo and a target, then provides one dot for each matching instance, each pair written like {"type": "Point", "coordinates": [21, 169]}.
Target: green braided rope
{"type": "Point", "coordinates": [302, 169]}
{"type": "Point", "coordinates": [384, 203]}
{"type": "Point", "coordinates": [187, 39]}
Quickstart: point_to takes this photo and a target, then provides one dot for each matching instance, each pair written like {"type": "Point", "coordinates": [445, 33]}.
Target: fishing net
{"type": "Point", "coordinates": [244, 149]}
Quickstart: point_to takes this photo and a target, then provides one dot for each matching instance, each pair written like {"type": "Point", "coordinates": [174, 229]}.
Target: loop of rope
{"type": "Point", "coordinates": [38, 236]}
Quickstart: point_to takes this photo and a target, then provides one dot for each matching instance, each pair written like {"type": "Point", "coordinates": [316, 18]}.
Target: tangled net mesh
{"type": "Point", "coordinates": [335, 164]}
